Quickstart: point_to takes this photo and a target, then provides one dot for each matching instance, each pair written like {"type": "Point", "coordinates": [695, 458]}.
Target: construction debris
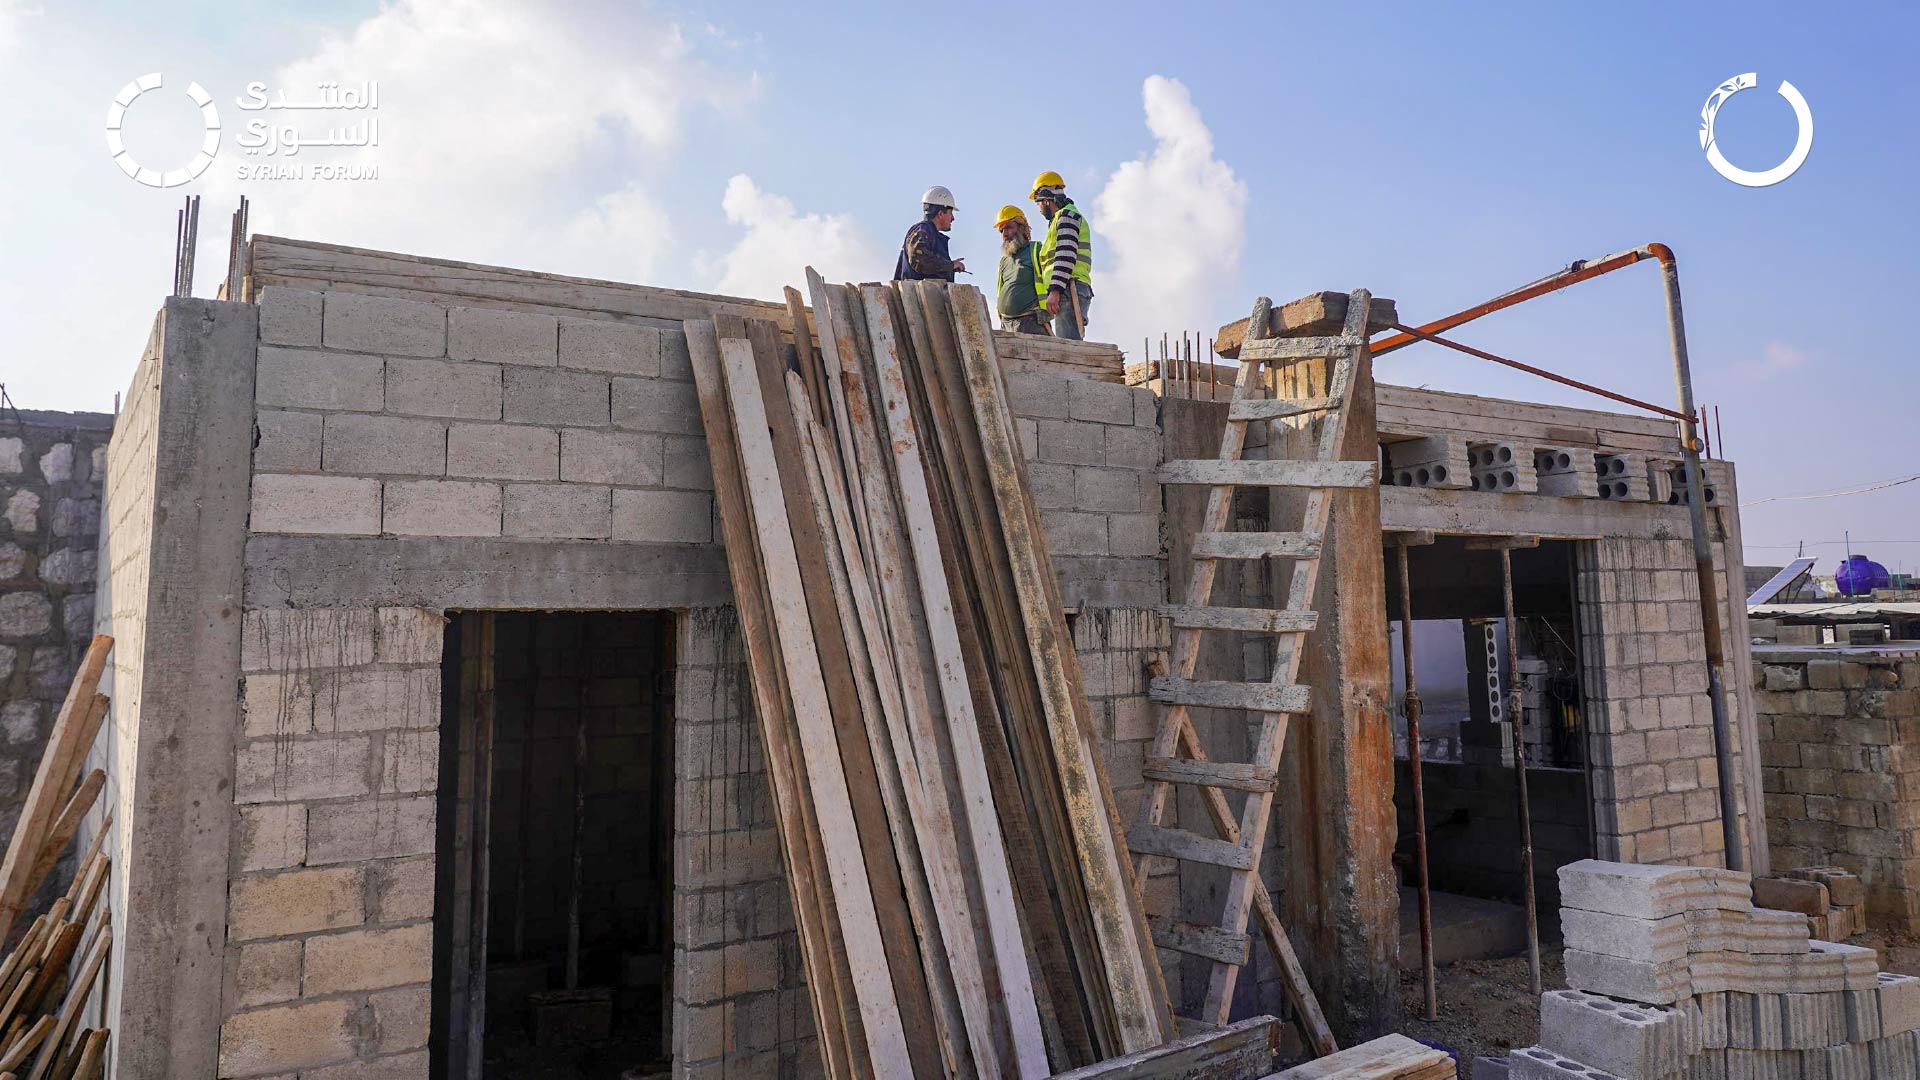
{"type": "Point", "coordinates": [1676, 974]}
{"type": "Point", "coordinates": [964, 901]}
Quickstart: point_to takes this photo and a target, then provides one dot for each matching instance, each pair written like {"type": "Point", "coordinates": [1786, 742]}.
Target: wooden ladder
{"type": "Point", "coordinates": [1177, 756]}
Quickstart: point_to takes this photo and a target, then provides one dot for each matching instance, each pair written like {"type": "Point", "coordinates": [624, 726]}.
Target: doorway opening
{"type": "Point", "coordinates": [1467, 739]}
{"type": "Point", "coordinates": [553, 927]}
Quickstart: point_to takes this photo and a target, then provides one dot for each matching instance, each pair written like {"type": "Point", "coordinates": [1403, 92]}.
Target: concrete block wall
{"type": "Point", "coordinates": [51, 468]}
{"type": "Point", "coordinates": [380, 416]}
{"type": "Point", "coordinates": [1650, 734]}
{"type": "Point", "coordinates": [1840, 765]}
{"type": "Point", "coordinates": [330, 905]}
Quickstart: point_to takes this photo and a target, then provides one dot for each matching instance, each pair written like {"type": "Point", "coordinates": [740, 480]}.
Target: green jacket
{"type": "Point", "coordinates": [1018, 283]}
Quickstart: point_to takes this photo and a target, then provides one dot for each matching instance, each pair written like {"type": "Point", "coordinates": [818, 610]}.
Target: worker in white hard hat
{"type": "Point", "coordinates": [923, 254]}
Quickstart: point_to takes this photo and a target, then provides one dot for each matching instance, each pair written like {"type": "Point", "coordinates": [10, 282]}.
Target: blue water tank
{"type": "Point", "coordinates": [1859, 576]}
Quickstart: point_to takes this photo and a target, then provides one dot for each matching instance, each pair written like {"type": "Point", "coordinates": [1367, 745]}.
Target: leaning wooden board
{"type": "Point", "coordinates": [1390, 1057]}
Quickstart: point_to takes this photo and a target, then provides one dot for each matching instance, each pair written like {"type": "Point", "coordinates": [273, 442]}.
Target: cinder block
{"type": "Point", "coordinates": [631, 459]}
{"type": "Point", "coordinates": [1811, 1021]}
{"type": "Point", "coordinates": [1500, 467]}
{"type": "Point", "coordinates": [380, 828]}
{"type": "Point", "coordinates": [614, 347]}
{"type": "Point", "coordinates": [1853, 1062]}
{"type": "Point", "coordinates": [289, 639]}
{"type": "Point", "coordinates": [410, 635]}
{"type": "Point", "coordinates": [663, 517]}
{"type": "Point", "coordinates": [1432, 461]}
{"type": "Point", "coordinates": [1107, 490]}
{"type": "Point", "coordinates": [1130, 448]}
{"type": "Point", "coordinates": [371, 445]}
{"type": "Point", "coordinates": [1634, 980]}
{"type": "Point", "coordinates": [442, 508]}
{"type": "Point", "coordinates": [1133, 536]}
{"type": "Point", "coordinates": [409, 761]}
{"type": "Point", "coordinates": [384, 324]}
{"type": "Point", "coordinates": [1899, 1003]}
{"type": "Point", "coordinates": [401, 889]}
{"type": "Point", "coordinates": [501, 337]}
{"type": "Point", "coordinates": [1771, 931]}
{"type": "Point", "coordinates": [370, 959]}
{"type": "Point", "coordinates": [1490, 1068]}
{"type": "Point", "coordinates": [1650, 891]}
{"type": "Point", "coordinates": [274, 836]}
{"type": "Point", "coordinates": [557, 511]}
{"type": "Point", "coordinates": [1104, 403]}
{"type": "Point", "coordinates": [555, 396]}
{"type": "Point", "coordinates": [337, 505]}
{"type": "Point", "coordinates": [311, 379]}
{"type": "Point", "coordinates": [296, 902]}
{"type": "Point", "coordinates": [403, 1016]}
{"type": "Point", "coordinates": [1072, 533]}
{"type": "Point", "coordinates": [293, 769]}
{"type": "Point", "coordinates": [1035, 396]}
{"type": "Point", "coordinates": [1651, 940]}
{"type": "Point", "coordinates": [1566, 471]}
{"type": "Point", "coordinates": [1621, 476]}
{"type": "Point", "coordinates": [503, 452]}
{"type": "Point", "coordinates": [1708, 1013]}
{"type": "Point", "coordinates": [1862, 1014]}
{"type": "Point", "coordinates": [687, 463]}
{"type": "Point", "coordinates": [262, 973]}
{"type": "Point", "coordinates": [1894, 1055]}
{"type": "Point", "coordinates": [288, 442]}
{"type": "Point", "coordinates": [288, 1038]}
{"type": "Point", "coordinates": [1539, 1063]}
{"type": "Point", "coordinates": [289, 316]}
{"type": "Point", "coordinates": [1630, 1041]}
{"type": "Point", "coordinates": [661, 405]}
{"type": "Point", "coordinates": [1788, 894]}
{"type": "Point", "coordinates": [421, 387]}
{"type": "Point", "coordinates": [1069, 442]}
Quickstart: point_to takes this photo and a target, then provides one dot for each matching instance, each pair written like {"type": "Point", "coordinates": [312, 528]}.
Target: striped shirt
{"type": "Point", "coordinates": [1067, 224]}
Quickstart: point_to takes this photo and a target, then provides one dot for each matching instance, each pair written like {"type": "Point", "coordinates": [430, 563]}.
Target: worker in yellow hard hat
{"type": "Point", "coordinates": [1018, 283]}
{"type": "Point", "coordinates": [1066, 257]}
{"type": "Point", "coordinates": [923, 254]}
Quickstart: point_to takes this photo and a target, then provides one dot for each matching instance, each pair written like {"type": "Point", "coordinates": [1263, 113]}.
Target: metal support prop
{"type": "Point", "coordinates": [1520, 771]}
{"type": "Point", "coordinates": [1412, 707]}
{"type": "Point", "coordinates": [1736, 856]}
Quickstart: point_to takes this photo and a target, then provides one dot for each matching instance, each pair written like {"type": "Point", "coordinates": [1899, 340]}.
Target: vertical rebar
{"type": "Point", "coordinates": [1703, 570]}
{"type": "Point", "coordinates": [1412, 709]}
{"type": "Point", "coordinates": [1520, 771]}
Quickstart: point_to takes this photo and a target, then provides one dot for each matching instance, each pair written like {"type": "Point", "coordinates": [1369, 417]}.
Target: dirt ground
{"type": "Point", "coordinates": [1486, 1008]}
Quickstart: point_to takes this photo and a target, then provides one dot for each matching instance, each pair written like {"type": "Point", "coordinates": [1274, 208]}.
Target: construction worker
{"type": "Point", "coordinates": [1018, 283]}
{"type": "Point", "coordinates": [1066, 257]}
{"type": "Point", "coordinates": [923, 254]}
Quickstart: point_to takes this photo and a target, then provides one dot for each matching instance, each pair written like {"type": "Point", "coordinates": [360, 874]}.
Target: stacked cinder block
{"type": "Point", "coordinates": [1500, 467]}
{"type": "Point", "coordinates": [1621, 476]}
{"type": "Point", "coordinates": [1676, 975]}
{"type": "Point", "coordinates": [1435, 461]}
{"type": "Point", "coordinates": [1566, 471]}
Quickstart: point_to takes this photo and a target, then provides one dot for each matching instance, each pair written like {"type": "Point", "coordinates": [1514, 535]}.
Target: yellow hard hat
{"type": "Point", "coordinates": [1009, 213]}
{"type": "Point", "coordinates": [1046, 179]}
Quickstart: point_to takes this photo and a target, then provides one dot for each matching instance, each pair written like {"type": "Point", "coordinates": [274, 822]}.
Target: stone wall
{"type": "Point", "coordinates": [1840, 764]}
{"type": "Point", "coordinates": [51, 468]}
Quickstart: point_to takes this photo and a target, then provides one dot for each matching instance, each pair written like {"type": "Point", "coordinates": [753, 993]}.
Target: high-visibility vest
{"type": "Point", "coordinates": [1013, 298]}
{"type": "Point", "coordinates": [1083, 266]}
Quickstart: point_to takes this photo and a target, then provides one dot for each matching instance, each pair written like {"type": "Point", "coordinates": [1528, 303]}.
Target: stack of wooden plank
{"type": "Point", "coordinates": [47, 979]}
{"type": "Point", "coordinates": [964, 902]}
{"type": "Point", "coordinates": [1390, 1057]}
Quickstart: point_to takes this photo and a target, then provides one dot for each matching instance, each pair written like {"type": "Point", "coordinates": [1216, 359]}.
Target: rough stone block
{"type": "Point", "coordinates": [289, 442]}
{"type": "Point", "coordinates": [614, 347]}
{"type": "Point", "coordinates": [370, 959]}
{"type": "Point", "coordinates": [554, 396]}
{"type": "Point", "coordinates": [410, 635]}
{"type": "Point", "coordinates": [25, 615]}
{"type": "Point", "coordinates": [289, 316]}
{"type": "Point", "coordinates": [413, 1065]}
{"type": "Point", "coordinates": [402, 889]}
{"type": "Point", "coordinates": [288, 639]}
{"type": "Point", "coordinates": [630, 459]}
{"type": "Point", "coordinates": [369, 829]}
{"type": "Point", "coordinates": [421, 387]}
{"type": "Point", "coordinates": [1787, 894]}
{"type": "Point", "coordinates": [286, 1038]}
{"type": "Point", "coordinates": [501, 337]}
{"type": "Point", "coordinates": [23, 511]}
{"type": "Point", "coordinates": [409, 761]}
{"type": "Point", "coordinates": [660, 405]}
{"type": "Point", "coordinates": [262, 973]}
{"type": "Point", "coordinates": [271, 837]}
{"type": "Point", "coordinates": [311, 379]}
{"type": "Point", "coordinates": [1843, 889]}
{"type": "Point", "coordinates": [663, 517]}
{"type": "Point", "coordinates": [503, 452]}
{"type": "Point", "coordinates": [292, 769]}
{"type": "Point", "coordinates": [296, 902]}
{"type": "Point", "coordinates": [402, 1016]}
{"type": "Point", "coordinates": [335, 505]}
{"type": "Point", "coordinates": [384, 324]}
{"type": "Point", "coordinates": [441, 508]}
{"type": "Point", "coordinates": [368, 445]}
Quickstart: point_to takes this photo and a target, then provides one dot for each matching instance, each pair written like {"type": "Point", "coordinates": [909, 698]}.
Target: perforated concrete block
{"type": "Point", "coordinates": [1633, 1041]}
{"type": "Point", "coordinates": [1899, 1003]}
{"type": "Point", "coordinates": [1539, 1063]}
{"type": "Point", "coordinates": [1433, 461]}
{"type": "Point", "coordinates": [1501, 467]}
{"type": "Point", "coordinates": [1633, 980]}
{"type": "Point", "coordinates": [1621, 477]}
{"type": "Point", "coordinates": [1566, 471]}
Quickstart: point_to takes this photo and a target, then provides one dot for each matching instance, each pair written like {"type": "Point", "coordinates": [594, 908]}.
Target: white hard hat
{"type": "Point", "coordinates": [938, 196]}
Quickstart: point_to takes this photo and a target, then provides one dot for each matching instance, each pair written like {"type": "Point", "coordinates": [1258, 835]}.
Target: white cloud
{"type": "Point", "coordinates": [1167, 227]}
{"type": "Point", "coordinates": [496, 121]}
{"type": "Point", "coordinates": [780, 243]}
{"type": "Point", "coordinates": [1775, 358]}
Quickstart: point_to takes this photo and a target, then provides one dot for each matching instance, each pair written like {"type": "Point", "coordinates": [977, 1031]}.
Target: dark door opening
{"type": "Point", "coordinates": [553, 926]}
{"type": "Point", "coordinates": [1467, 740]}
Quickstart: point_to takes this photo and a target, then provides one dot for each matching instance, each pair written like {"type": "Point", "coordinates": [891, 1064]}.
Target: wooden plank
{"type": "Point", "coordinates": [828, 980]}
{"type": "Point", "coordinates": [798, 325]}
{"type": "Point", "coordinates": [1418, 423]}
{"type": "Point", "coordinates": [1278, 408]}
{"type": "Point", "coordinates": [1138, 997]}
{"type": "Point", "coordinates": [1315, 313]}
{"type": "Point", "coordinates": [1237, 775]}
{"type": "Point", "coordinates": [1209, 942]}
{"type": "Point", "coordinates": [73, 733]}
{"type": "Point", "coordinates": [1255, 545]}
{"type": "Point", "coordinates": [1299, 474]}
{"type": "Point", "coordinates": [1252, 620]}
{"type": "Point", "coordinates": [1192, 847]}
{"type": "Point", "coordinates": [1388, 395]}
{"type": "Point", "coordinates": [1259, 697]}
{"type": "Point", "coordinates": [1384, 1058]}
{"type": "Point", "coordinates": [1242, 1051]}
{"type": "Point", "coordinates": [1298, 348]}
{"type": "Point", "coordinates": [1502, 543]}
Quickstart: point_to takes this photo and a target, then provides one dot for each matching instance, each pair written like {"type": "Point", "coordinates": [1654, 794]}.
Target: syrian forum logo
{"type": "Point", "coordinates": [209, 144]}
{"type": "Point", "coordinates": [1779, 172]}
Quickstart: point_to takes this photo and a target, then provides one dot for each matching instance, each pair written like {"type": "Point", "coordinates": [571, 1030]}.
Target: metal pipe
{"type": "Point", "coordinates": [1579, 271]}
{"type": "Point", "coordinates": [1412, 707]}
{"type": "Point", "coordinates": [1702, 563]}
{"type": "Point", "coordinates": [1520, 771]}
{"type": "Point", "coordinates": [1422, 335]}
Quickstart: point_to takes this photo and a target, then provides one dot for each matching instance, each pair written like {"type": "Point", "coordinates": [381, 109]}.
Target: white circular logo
{"type": "Point", "coordinates": [209, 145]}
{"type": "Point", "coordinates": [1741, 176]}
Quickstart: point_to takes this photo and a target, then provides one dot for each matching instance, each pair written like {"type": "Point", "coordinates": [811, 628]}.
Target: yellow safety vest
{"type": "Point", "coordinates": [1082, 266]}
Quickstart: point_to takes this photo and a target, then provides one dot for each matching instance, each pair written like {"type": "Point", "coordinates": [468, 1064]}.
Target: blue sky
{"type": "Point", "coordinates": [1436, 155]}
